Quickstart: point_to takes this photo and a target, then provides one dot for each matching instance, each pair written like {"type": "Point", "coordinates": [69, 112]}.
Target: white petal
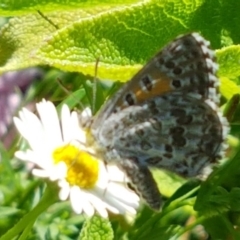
{"type": "Point", "coordinates": [64, 190]}
{"type": "Point", "coordinates": [85, 116]}
{"type": "Point", "coordinates": [50, 122]}
{"type": "Point", "coordinates": [122, 193]}
{"type": "Point", "coordinates": [78, 133]}
{"type": "Point", "coordinates": [58, 171]}
{"type": "Point", "coordinates": [109, 200]}
{"type": "Point", "coordinates": [87, 206]}
{"type": "Point", "coordinates": [115, 174]}
{"type": "Point", "coordinates": [30, 128]}
{"type": "Point", "coordinates": [62, 183]}
{"type": "Point", "coordinates": [103, 179]}
{"type": "Point", "coordinates": [104, 203]}
{"type": "Point", "coordinates": [119, 197]}
{"type": "Point", "coordinates": [87, 112]}
{"type": "Point", "coordinates": [39, 158]}
{"type": "Point", "coordinates": [24, 156]}
{"type": "Point", "coordinates": [30, 156]}
{"type": "Point", "coordinates": [98, 204]}
{"type": "Point", "coordinates": [116, 204]}
{"type": "Point", "coordinates": [76, 199]}
{"type": "Point", "coordinates": [40, 173]}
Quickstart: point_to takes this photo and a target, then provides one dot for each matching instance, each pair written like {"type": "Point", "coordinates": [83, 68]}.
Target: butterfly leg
{"type": "Point", "coordinates": [143, 181]}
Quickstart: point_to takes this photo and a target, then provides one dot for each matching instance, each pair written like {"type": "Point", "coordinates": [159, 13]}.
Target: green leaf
{"type": "Point", "coordinates": [8, 211]}
{"type": "Point", "coordinates": [168, 182]}
{"type": "Point", "coordinates": [163, 233]}
{"type": "Point", "coordinates": [104, 36]}
{"type": "Point", "coordinates": [123, 38]}
{"type": "Point", "coordinates": [219, 227]}
{"type": "Point", "coordinates": [22, 36]}
{"type": "Point", "coordinates": [73, 99]}
{"type": "Point", "coordinates": [235, 199]}
{"type": "Point", "coordinates": [213, 198]}
{"type": "Point", "coordinates": [96, 228]}
{"type": "Point", "coordinates": [153, 228]}
{"type": "Point", "coordinates": [228, 59]}
{"type": "Point", "coordinates": [19, 7]}
{"type": "Point", "coordinates": [184, 189]}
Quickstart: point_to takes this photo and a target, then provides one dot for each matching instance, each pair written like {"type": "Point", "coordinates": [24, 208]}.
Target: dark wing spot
{"type": "Point", "coordinates": [177, 70]}
{"type": "Point", "coordinates": [195, 53]}
{"type": "Point", "coordinates": [201, 77]}
{"type": "Point", "coordinates": [185, 119]}
{"type": "Point", "coordinates": [201, 91]}
{"type": "Point", "coordinates": [168, 148]}
{"type": "Point", "coordinates": [168, 155]}
{"type": "Point", "coordinates": [177, 112]}
{"type": "Point", "coordinates": [147, 82]}
{"type": "Point", "coordinates": [179, 141]}
{"type": "Point", "coordinates": [184, 172]}
{"type": "Point", "coordinates": [129, 99]}
{"type": "Point", "coordinates": [177, 131]}
{"type": "Point", "coordinates": [169, 64]}
{"type": "Point", "coordinates": [153, 107]}
{"type": "Point", "coordinates": [161, 61]}
{"type": "Point", "coordinates": [140, 132]}
{"type": "Point", "coordinates": [201, 65]}
{"type": "Point", "coordinates": [187, 42]}
{"type": "Point", "coordinates": [127, 145]}
{"type": "Point", "coordinates": [176, 83]}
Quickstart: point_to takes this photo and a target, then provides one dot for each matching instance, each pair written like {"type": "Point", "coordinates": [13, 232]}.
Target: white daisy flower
{"type": "Point", "coordinates": [58, 150]}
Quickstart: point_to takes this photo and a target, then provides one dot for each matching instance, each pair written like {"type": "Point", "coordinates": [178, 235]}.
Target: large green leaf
{"type": "Point", "coordinates": [10, 8]}
{"type": "Point", "coordinates": [124, 38]}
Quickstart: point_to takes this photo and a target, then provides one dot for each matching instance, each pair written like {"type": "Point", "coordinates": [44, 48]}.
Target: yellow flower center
{"type": "Point", "coordinates": [82, 168]}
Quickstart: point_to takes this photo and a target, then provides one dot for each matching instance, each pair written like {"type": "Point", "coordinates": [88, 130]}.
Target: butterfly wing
{"type": "Point", "coordinates": [186, 65]}
{"type": "Point", "coordinates": [173, 131]}
{"type": "Point", "coordinates": [166, 116]}
{"type": "Point", "coordinates": [142, 180]}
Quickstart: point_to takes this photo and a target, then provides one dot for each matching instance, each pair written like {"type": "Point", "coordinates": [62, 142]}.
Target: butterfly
{"type": "Point", "coordinates": [167, 116]}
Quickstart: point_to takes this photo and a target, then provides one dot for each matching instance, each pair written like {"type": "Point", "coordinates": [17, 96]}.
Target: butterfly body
{"type": "Point", "coordinates": [167, 116]}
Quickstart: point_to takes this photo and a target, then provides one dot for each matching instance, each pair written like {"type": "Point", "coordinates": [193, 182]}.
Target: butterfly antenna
{"type": "Point", "coordinates": [95, 86]}
{"type": "Point", "coordinates": [47, 19]}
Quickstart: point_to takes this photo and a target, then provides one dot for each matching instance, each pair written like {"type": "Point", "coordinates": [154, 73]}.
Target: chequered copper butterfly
{"type": "Point", "coordinates": [166, 116]}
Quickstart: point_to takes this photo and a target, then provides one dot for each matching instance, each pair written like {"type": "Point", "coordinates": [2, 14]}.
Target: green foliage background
{"type": "Point", "coordinates": [66, 41]}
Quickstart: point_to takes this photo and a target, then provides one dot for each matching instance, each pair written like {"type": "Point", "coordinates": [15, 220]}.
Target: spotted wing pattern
{"type": "Point", "coordinates": [167, 116]}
